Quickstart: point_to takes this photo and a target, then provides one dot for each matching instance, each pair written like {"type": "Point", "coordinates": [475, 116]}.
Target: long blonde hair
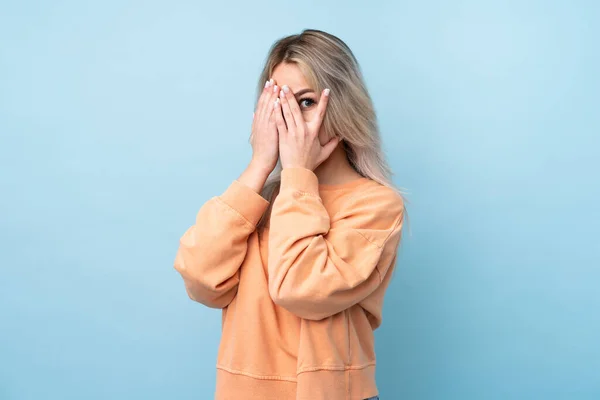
{"type": "Point", "coordinates": [327, 62]}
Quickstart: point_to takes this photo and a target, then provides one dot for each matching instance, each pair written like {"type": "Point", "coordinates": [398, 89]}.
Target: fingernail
{"type": "Point", "coordinates": [281, 94]}
{"type": "Point", "coordinates": [275, 89]}
{"type": "Point", "coordinates": [276, 102]}
{"type": "Point", "coordinates": [285, 88]}
{"type": "Point", "coordinates": [326, 92]}
{"type": "Point", "coordinates": [267, 83]}
{"type": "Point", "coordinates": [271, 81]}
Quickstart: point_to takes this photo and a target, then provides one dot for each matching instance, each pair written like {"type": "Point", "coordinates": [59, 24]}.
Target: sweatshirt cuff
{"type": "Point", "coordinates": [300, 179]}
{"type": "Point", "coordinates": [245, 201]}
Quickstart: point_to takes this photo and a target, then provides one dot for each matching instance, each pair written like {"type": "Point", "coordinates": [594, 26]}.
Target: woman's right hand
{"type": "Point", "coordinates": [264, 138]}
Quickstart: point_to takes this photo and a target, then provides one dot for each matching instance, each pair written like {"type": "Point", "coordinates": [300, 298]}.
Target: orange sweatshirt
{"type": "Point", "coordinates": [301, 298]}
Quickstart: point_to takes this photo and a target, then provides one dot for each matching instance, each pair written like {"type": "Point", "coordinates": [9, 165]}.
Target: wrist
{"type": "Point", "coordinates": [295, 165]}
{"type": "Point", "coordinates": [255, 176]}
{"type": "Point", "coordinates": [260, 168]}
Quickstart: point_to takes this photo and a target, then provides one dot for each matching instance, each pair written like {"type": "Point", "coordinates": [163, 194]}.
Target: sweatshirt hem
{"type": "Point", "coordinates": [314, 383]}
{"type": "Point", "coordinates": [256, 376]}
{"type": "Point", "coordinates": [335, 368]}
{"type": "Point", "coordinates": [300, 371]}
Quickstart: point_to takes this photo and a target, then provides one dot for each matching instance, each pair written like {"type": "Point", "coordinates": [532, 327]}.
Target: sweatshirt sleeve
{"type": "Point", "coordinates": [212, 250]}
{"type": "Point", "coordinates": [320, 266]}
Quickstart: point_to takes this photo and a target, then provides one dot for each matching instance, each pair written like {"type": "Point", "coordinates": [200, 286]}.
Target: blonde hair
{"type": "Point", "coordinates": [327, 62]}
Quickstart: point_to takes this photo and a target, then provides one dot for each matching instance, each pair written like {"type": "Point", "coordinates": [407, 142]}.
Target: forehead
{"type": "Point", "coordinates": [289, 74]}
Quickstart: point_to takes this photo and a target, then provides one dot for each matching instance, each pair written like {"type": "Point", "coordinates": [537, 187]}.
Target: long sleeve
{"type": "Point", "coordinates": [319, 266]}
{"type": "Point", "coordinates": [212, 250]}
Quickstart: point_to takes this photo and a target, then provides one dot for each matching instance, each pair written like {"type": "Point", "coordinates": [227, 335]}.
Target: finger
{"type": "Point", "coordinates": [272, 121]}
{"type": "Point", "coordinates": [280, 122]}
{"type": "Point", "coordinates": [328, 148]}
{"type": "Point", "coordinates": [322, 107]}
{"type": "Point", "coordinates": [274, 93]}
{"type": "Point", "coordinates": [262, 100]}
{"type": "Point", "coordinates": [287, 112]}
{"type": "Point", "coordinates": [293, 105]}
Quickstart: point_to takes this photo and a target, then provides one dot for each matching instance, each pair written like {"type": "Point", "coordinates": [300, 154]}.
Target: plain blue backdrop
{"type": "Point", "coordinates": [118, 119]}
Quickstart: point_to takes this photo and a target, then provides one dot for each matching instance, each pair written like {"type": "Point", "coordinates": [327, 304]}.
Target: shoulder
{"type": "Point", "coordinates": [375, 202]}
{"type": "Point", "coordinates": [376, 196]}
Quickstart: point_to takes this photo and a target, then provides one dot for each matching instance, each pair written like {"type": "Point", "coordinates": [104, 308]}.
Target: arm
{"type": "Point", "coordinates": [212, 250]}
{"type": "Point", "coordinates": [318, 266]}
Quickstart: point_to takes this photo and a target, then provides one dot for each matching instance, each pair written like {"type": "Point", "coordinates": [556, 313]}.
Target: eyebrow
{"type": "Point", "coordinates": [303, 91]}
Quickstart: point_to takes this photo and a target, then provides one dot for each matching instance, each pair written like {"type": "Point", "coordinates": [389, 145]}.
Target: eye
{"type": "Point", "coordinates": [306, 102]}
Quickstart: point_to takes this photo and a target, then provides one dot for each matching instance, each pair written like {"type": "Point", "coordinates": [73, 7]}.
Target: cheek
{"type": "Point", "coordinates": [310, 114]}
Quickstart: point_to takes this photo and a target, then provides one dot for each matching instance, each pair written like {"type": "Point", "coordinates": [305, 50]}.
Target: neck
{"type": "Point", "coordinates": [336, 169]}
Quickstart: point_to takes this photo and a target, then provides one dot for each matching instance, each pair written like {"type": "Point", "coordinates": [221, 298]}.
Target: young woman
{"type": "Point", "coordinates": [301, 271]}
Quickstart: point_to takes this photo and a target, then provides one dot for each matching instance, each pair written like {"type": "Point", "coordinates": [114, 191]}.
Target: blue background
{"type": "Point", "coordinates": [118, 119]}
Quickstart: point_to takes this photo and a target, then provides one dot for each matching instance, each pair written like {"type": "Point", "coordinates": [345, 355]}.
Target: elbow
{"type": "Point", "coordinates": [197, 292]}
{"type": "Point", "coordinates": [206, 291]}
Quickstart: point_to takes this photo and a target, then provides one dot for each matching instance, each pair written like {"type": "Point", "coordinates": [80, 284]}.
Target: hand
{"type": "Point", "coordinates": [299, 144]}
{"type": "Point", "coordinates": [264, 137]}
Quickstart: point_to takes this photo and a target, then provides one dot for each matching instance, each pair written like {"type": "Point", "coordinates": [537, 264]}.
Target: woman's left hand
{"type": "Point", "coordinates": [299, 144]}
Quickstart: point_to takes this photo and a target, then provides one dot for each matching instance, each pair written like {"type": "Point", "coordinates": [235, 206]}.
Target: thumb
{"type": "Point", "coordinates": [328, 148]}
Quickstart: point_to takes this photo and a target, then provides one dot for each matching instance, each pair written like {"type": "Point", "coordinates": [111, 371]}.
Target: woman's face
{"type": "Point", "coordinates": [289, 74]}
